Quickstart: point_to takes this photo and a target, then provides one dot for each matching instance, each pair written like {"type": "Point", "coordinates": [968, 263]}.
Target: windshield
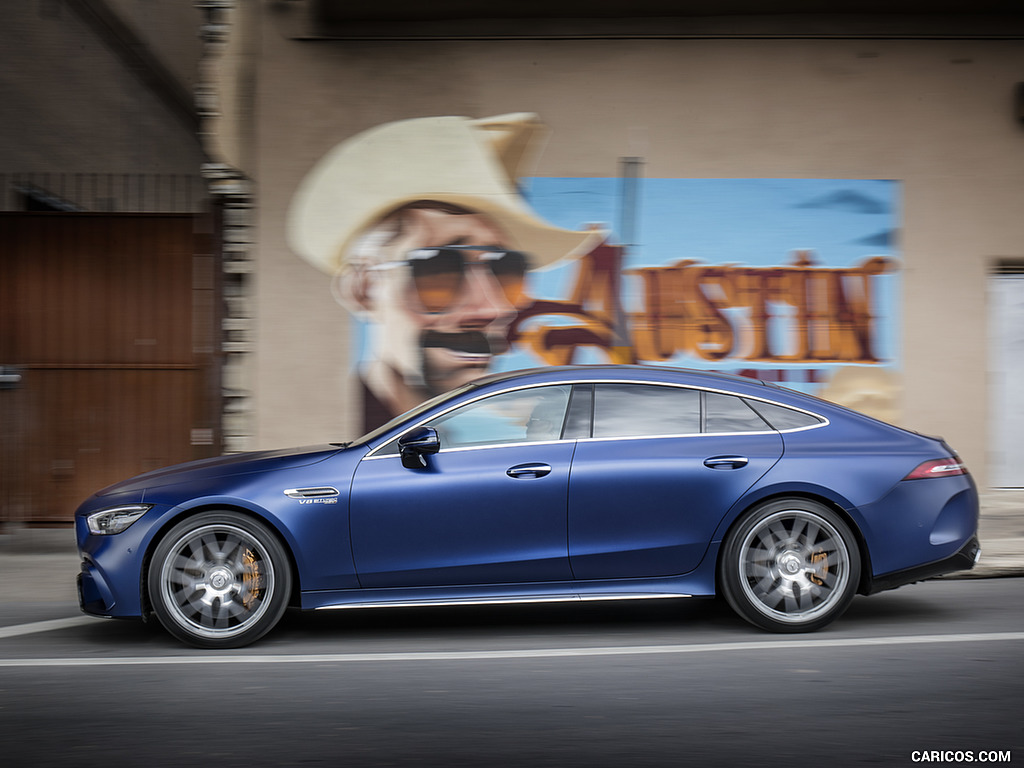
{"type": "Point", "coordinates": [423, 407]}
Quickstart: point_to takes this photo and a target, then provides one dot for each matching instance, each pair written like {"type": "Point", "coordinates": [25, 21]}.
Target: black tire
{"type": "Point", "coordinates": [219, 580]}
{"type": "Point", "coordinates": [790, 565]}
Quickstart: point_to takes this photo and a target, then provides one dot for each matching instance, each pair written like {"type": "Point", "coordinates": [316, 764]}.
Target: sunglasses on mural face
{"type": "Point", "coordinates": [439, 273]}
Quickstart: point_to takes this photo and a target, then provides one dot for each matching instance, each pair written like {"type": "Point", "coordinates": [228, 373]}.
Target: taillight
{"type": "Point", "coordinates": [947, 467]}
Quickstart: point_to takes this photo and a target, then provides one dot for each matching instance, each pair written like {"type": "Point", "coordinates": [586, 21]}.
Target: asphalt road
{"type": "Point", "coordinates": [934, 670]}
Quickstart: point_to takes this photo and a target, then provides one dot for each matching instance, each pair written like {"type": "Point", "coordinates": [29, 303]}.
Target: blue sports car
{"type": "Point", "coordinates": [558, 484]}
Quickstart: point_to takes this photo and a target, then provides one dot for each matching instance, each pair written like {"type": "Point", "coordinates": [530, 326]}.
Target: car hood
{"type": "Point", "coordinates": [223, 466]}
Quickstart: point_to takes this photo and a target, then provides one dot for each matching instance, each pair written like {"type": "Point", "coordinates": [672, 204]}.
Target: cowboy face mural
{"type": "Point", "coordinates": [440, 285]}
{"type": "Point", "coordinates": [428, 240]}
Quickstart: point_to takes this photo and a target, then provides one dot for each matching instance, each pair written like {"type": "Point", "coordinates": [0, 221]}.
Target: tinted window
{"type": "Point", "coordinates": [634, 410]}
{"type": "Point", "coordinates": [513, 417]}
{"type": "Point", "coordinates": [783, 418]}
{"type": "Point", "coordinates": [725, 413]}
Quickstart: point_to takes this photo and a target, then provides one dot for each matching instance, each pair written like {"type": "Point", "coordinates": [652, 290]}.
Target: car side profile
{"type": "Point", "coordinates": [555, 484]}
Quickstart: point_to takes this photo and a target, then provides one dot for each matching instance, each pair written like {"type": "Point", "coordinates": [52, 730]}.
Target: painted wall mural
{"type": "Point", "coordinates": [456, 262]}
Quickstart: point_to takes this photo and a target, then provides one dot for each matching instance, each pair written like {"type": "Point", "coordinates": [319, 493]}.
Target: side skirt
{"type": "Point", "coordinates": [502, 600]}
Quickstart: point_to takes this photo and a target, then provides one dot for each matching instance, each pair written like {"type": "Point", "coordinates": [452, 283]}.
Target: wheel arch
{"type": "Point", "coordinates": [213, 506]}
{"type": "Point", "coordinates": [863, 585]}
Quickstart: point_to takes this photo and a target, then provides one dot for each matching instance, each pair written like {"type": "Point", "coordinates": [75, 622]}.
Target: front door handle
{"type": "Point", "coordinates": [528, 470]}
{"type": "Point", "coordinates": [726, 462]}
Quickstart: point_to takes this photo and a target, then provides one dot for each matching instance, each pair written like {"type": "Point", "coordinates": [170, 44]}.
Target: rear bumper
{"type": "Point", "coordinates": [962, 560]}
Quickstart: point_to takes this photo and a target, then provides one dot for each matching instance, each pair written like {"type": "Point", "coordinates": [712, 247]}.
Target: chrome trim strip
{"type": "Point", "coordinates": [691, 435]}
{"type": "Point", "coordinates": [434, 603]}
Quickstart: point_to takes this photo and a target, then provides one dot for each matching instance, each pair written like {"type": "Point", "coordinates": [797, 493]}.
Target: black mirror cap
{"type": "Point", "coordinates": [422, 440]}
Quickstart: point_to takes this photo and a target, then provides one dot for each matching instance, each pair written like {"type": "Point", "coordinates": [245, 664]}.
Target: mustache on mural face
{"type": "Point", "coordinates": [464, 342]}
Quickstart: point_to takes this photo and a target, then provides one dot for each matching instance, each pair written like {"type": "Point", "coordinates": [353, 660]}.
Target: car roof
{"type": "Point", "coordinates": [660, 373]}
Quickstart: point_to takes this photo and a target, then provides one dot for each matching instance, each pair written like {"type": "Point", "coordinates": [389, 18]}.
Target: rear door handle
{"type": "Point", "coordinates": [528, 470]}
{"type": "Point", "coordinates": [726, 462]}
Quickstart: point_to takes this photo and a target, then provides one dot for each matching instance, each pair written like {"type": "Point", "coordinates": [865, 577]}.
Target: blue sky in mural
{"type": "Point", "coordinates": [758, 222]}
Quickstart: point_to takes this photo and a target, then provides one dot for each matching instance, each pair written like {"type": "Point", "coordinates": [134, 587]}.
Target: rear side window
{"type": "Point", "coordinates": [726, 413]}
{"type": "Point", "coordinates": [644, 410]}
{"type": "Point", "coordinates": [783, 418]}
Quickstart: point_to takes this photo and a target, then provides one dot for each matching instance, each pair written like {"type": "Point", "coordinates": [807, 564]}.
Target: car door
{"type": "Point", "coordinates": [488, 508]}
{"type": "Point", "coordinates": [648, 490]}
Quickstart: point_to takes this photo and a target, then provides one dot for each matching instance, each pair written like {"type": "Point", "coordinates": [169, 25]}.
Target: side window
{"type": "Point", "coordinates": [643, 410]}
{"type": "Point", "coordinates": [726, 413]}
{"type": "Point", "coordinates": [782, 418]}
{"type": "Point", "coordinates": [525, 415]}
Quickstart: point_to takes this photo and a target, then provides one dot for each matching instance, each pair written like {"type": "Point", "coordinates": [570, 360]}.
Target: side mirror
{"type": "Point", "coordinates": [417, 445]}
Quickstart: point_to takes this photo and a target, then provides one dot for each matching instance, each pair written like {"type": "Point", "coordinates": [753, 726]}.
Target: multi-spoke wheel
{"type": "Point", "coordinates": [791, 565]}
{"type": "Point", "coordinates": [219, 580]}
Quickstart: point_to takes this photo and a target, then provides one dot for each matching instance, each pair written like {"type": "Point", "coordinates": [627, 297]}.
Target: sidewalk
{"type": "Point", "coordinates": [1001, 531]}
{"type": "Point", "coordinates": [40, 564]}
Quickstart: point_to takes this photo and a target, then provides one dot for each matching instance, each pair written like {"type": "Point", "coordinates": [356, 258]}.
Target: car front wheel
{"type": "Point", "coordinates": [791, 565]}
{"type": "Point", "coordinates": [219, 580]}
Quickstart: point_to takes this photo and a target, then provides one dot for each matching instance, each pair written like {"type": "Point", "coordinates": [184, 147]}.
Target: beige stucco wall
{"type": "Point", "coordinates": [935, 115]}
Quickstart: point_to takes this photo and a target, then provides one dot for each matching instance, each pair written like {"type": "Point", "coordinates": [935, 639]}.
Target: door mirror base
{"type": "Point", "coordinates": [415, 446]}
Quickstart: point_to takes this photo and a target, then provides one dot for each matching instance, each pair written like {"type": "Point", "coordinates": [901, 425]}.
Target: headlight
{"type": "Point", "coordinates": [116, 519]}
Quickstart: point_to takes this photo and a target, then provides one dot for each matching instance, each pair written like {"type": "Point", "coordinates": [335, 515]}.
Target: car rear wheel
{"type": "Point", "coordinates": [219, 580]}
{"type": "Point", "coordinates": [791, 565]}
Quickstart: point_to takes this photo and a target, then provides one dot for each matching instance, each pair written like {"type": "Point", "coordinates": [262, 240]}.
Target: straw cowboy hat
{"type": "Point", "coordinates": [458, 160]}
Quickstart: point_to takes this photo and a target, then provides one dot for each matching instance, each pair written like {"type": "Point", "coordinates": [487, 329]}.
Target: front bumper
{"type": "Point", "coordinates": [962, 560]}
{"type": "Point", "coordinates": [95, 596]}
